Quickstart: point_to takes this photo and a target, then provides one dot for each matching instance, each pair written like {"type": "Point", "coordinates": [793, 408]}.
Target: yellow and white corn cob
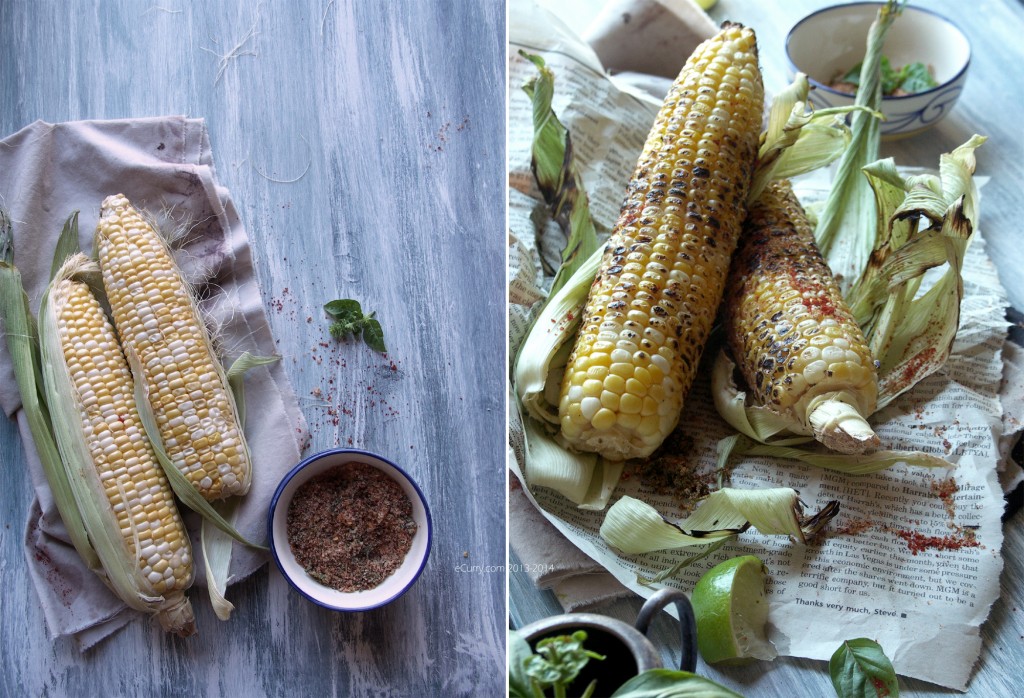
{"type": "Point", "coordinates": [656, 293]}
{"type": "Point", "coordinates": [795, 341]}
{"type": "Point", "coordinates": [157, 319]}
{"type": "Point", "coordinates": [123, 495]}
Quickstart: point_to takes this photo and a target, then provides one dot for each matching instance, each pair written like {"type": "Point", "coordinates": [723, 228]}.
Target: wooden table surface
{"type": "Point", "coordinates": [384, 126]}
{"type": "Point", "coordinates": [990, 105]}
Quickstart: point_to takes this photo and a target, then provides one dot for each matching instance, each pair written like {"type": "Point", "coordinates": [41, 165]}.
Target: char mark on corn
{"type": "Point", "coordinates": [792, 335]}
{"type": "Point", "coordinates": [157, 318]}
{"type": "Point", "coordinates": [662, 276]}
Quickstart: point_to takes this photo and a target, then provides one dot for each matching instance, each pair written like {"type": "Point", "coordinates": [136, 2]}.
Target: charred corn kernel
{"type": "Point", "coordinates": [664, 268]}
{"type": "Point", "coordinates": [792, 335]}
{"type": "Point", "coordinates": [157, 319]}
{"type": "Point", "coordinates": [123, 481]}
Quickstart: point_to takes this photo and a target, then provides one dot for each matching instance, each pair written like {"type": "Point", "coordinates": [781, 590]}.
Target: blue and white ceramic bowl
{"type": "Point", "coordinates": [392, 587]}
{"type": "Point", "coordinates": [830, 41]}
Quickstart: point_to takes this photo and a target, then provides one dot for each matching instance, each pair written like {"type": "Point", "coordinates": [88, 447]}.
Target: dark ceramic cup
{"type": "Point", "coordinates": [626, 648]}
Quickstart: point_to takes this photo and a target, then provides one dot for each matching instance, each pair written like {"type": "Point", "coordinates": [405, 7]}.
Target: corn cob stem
{"type": "Point", "coordinates": [794, 340]}
{"type": "Point", "coordinates": [655, 295]}
{"type": "Point", "coordinates": [837, 423]}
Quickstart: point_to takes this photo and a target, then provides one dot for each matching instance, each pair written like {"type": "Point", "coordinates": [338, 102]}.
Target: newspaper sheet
{"type": "Point", "coordinates": [913, 559]}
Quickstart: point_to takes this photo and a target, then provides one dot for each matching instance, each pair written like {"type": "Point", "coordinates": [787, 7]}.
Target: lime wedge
{"type": "Point", "coordinates": [706, 4]}
{"type": "Point", "coordinates": [731, 610]}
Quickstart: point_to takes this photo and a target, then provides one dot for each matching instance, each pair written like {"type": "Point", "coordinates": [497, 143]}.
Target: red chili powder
{"type": "Point", "coordinates": [813, 295]}
{"type": "Point", "coordinates": [351, 527]}
{"type": "Point", "coordinates": [945, 491]}
{"type": "Point", "coordinates": [915, 364]}
{"type": "Point", "coordinates": [880, 688]}
{"type": "Point", "coordinates": [855, 527]}
{"type": "Point", "coordinates": [918, 542]}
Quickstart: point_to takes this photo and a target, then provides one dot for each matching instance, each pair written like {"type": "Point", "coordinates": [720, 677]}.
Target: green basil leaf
{"type": "Point", "coordinates": [518, 653]}
{"type": "Point", "coordinates": [853, 75]}
{"type": "Point", "coordinates": [342, 329]}
{"type": "Point", "coordinates": [374, 335]}
{"type": "Point", "coordinates": [860, 669]}
{"type": "Point", "coordinates": [345, 309]}
{"type": "Point", "coordinates": [670, 683]}
{"type": "Point", "coordinates": [890, 78]}
{"type": "Point", "coordinates": [558, 661]}
{"type": "Point", "coordinates": [916, 78]}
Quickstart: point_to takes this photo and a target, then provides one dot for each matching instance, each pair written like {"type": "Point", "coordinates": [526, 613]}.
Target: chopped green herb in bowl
{"type": "Point", "coordinates": [910, 79]}
{"type": "Point", "coordinates": [928, 61]}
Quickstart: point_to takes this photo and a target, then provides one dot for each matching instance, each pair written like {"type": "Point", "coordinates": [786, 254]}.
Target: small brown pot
{"type": "Point", "coordinates": [626, 648]}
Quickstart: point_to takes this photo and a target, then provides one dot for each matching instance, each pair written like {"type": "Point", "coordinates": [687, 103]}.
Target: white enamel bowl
{"type": "Point", "coordinates": [830, 41]}
{"type": "Point", "coordinates": [392, 587]}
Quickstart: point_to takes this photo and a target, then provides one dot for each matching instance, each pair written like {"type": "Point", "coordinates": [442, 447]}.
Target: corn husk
{"type": "Point", "coordinates": [20, 329]}
{"type": "Point", "coordinates": [799, 140]}
{"type": "Point", "coordinates": [560, 182]}
{"type": "Point", "coordinates": [850, 208]}
{"type": "Point", "coordinates": [911, 333]}
{"type": "Point", "coordinates": [217, 544]}
{"type": "Point", "coordinates": [635, 527]}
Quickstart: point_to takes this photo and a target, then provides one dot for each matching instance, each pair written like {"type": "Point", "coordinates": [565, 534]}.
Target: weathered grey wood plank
{"type": "Point", "coordinates": [390, 120]}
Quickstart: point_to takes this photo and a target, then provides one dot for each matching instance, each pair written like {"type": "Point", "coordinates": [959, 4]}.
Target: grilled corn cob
{"type": "Point", "coordinates": [158, 320]}
{"type": "Point", "coordinates": [795, 341]}
{"type": "Point", "coordinates": [663, 272]}
{"type": "Point", "coordinates": [126, 502]}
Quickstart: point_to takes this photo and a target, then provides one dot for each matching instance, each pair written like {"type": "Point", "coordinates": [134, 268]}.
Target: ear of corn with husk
{"type": "Point", "coordinates": [125, 502]}
{"type": "Point", "coordinates": [109, 481]}
{"type": "Point", "coordinates": [20, 330]}
{"type": "Point", "coordinates": [654, 298]}
{"type": "Point", "coordinates": [799, 348]}
{"type": "Point", "coordinates": [158, 321]}
{"type": "Point", "coordinates": [907, 334]}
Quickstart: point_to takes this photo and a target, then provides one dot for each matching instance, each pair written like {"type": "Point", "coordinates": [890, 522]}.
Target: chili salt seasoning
{"type": "Point", "coordinates": [350, 527]}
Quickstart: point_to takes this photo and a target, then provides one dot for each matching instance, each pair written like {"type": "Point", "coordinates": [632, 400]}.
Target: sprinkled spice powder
{"type": "Point", "coordinates": [671, 470]}
{"type": "Point", "coordinates": [918, 542]}
{"type": "Point", "coordinates": [350, 527]}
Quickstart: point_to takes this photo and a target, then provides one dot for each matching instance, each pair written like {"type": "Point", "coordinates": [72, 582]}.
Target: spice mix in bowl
{"type": "Point", "coordinates": [349, 530]}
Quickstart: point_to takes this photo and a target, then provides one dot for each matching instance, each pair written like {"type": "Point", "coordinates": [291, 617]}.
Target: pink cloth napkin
{"type": "Point", "coordinates": [164, 165]}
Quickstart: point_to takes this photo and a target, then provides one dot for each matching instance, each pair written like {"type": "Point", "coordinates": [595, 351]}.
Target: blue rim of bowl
{"type": "Point", "coordinates": [273, 507]}
{"type": "Point", "coordinates": [916, 8]}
